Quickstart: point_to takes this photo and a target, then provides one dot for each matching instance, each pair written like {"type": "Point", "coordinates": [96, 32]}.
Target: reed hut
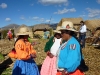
{"type": "Point", "coordinates": [93, 24]}
{"type": "Point", "coordinates": [39, 28]}
{"type": "Point", "coordinates": [30, 30]}
{"type": "Point", "coordinates": [76, 22]}
{"type": "Point", "coordinates": [94, 27]}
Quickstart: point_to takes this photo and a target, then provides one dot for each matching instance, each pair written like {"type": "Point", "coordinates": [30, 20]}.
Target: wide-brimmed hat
{"type": "Point", "coordinates": [57, 29]}
{"type": "Point", "coordinates": [67, 25]}
{"type": "Point", "coordinates": [23, 31]}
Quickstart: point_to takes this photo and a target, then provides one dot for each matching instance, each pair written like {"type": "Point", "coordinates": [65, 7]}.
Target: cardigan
{"type": "Point", "coordinates": [49, 44]}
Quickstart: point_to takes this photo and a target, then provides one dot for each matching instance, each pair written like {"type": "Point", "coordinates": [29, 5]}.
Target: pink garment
{"type": "Point", "coordinates": [49, 66]}
{"type": "Point", "coordinates": [9, 32]}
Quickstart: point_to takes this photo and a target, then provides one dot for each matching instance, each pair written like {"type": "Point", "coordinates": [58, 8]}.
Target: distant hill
{"type": "Point", "coordinates": [10, 26]}
{"type": "Point", "coordinates": [54, 25]}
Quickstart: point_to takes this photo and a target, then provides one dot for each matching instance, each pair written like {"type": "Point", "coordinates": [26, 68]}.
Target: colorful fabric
{"type": "Point", "coordinates": [69, 55]}
{"type": "Point", "coordinates": [49, 66]}
{"type": "Point", "coordinates": [77, 72]}
{"type": "Point", "coordinates": [29, 39]}
{"type": "Point", "coordinates": [46, 34]}
{"type": "Point", "coordinates": [9, 34]}
{"type": "Point", "coordinates": [49, 44]}
{"type": "Point", "coordinates": [25, 67]}
{"type": "Point", "coordinates": [24, 50]}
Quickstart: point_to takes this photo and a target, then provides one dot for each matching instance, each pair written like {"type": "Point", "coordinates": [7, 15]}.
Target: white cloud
{"type": "Point", "coordinates": [93, 12]}
{"type": "Point", "coordinates": [82, 15]}
{"type": "Point", "coordinates": [50, 2]}
{"type": "Point", "coordinates": [98, 1]}
{"type": "Point", "coordinates": [3, 5]}
{"type": "Point", "coordinates": [32, 4]}
{"type": "Point", "coordinates": [41, 19]}
{"type": "Point", "coordinates": [35, 18]}
{"type": "Point", "coordinates": [47, 21]}
{"type": "Point", "coordinates": [64, 11]}
{"type": "Point", "coordinates": [7, 19]}
{"type": "Point", "coordinates": [18, 10]}
{"type": "Point", "coordinates": [22, 17]}
{"type": "Point", "coordinates": [38, 19]}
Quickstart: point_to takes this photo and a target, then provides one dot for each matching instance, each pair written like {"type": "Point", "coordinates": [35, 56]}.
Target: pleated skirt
{"type": "Point", "coordinates": [49, 66]}
{"type": "Point", "coordinates": [25, 67]}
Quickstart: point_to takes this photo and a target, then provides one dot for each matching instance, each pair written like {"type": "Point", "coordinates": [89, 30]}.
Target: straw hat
{"type": "Point", "coordinates": [67, 25]}
{"type": "Point", "coordinates": [57, 30]}
{"type": "Point", "coordinates": [23, 31]}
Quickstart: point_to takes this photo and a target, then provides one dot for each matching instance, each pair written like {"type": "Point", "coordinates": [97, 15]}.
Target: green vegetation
{"type": "Point", "coordinates": [7, 71]}
{"type": "Point", "coordinates": [1, 57]}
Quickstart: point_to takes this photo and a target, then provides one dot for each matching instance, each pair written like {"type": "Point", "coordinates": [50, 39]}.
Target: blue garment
{"type": "Point", "coordinates": [25, 67]}
{"type": "Point", "coordinates": [69, 56]}
{"type": "Point", "coordinates": [82, 38]}
{"type": "Point", "coordinates": [46, 33]}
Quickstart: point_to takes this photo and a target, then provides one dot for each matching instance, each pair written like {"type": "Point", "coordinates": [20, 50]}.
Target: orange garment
{"type": "Point", "coordinates": [23, 50]}
{"type": "Point", "coordinates": [10, 36]}
{"type": "Point", "coordinates": [77, 72]}
{"type": "Point", "coordinates": [12, 53]}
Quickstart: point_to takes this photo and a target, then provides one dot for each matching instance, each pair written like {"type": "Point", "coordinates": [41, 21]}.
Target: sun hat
{"type": "Point", "coordinates": [23, 31]}
{"type": "Point", "coordinates": [57, 29]}
{"type": "Point", "coordinates": [67, 25]}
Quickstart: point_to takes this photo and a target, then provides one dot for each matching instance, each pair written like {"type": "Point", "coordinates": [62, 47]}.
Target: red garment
{"type": "Point", "coordinates": [77, 72]}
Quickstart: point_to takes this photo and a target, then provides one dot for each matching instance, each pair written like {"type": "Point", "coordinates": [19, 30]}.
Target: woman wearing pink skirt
{"type": "Point", "coordinates": [51, 48]}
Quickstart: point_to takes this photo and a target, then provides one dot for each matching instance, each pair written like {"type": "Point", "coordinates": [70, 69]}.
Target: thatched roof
{"type": "Point", "coordinates": [92, 24]}
{"type": "Point", "coordinates": [76, 21]}
{"type": "Point", "coordinates": [41, 27]}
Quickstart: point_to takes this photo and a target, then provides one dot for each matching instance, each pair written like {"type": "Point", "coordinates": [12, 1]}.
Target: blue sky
{"type": "Point", "coordinates": [31, 12]}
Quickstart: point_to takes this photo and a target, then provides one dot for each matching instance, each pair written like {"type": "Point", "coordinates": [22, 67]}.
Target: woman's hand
{"type": "Point", "coordinates": [65, 72]}
{"type": "Point", "coordinates": [49, 54]}
{"type": "Point", "coordinates": [33, 55]}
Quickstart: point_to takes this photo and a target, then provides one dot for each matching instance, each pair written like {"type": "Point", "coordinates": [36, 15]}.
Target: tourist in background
{"type": "Point", "coordinates": [82, 34]}
{"type": "Point", "coordinates": [46, 34]}
{"type": "Point", "coordinates": [9, 34]}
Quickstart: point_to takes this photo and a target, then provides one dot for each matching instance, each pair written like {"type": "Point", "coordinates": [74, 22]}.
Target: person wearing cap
{"type": "Point", "coordinates": [25, 54]}
{"type": "Point", "coordinates": [68, 55]}
{"type": "Point", "coordinates": [51, 48]}
{"type": "Point", "coordinates": [82, 34]}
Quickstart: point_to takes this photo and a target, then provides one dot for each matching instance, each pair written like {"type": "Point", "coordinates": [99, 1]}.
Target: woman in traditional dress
{"type": "Point", "coordinates": [25, 54]}
{"type": "Point", "coordinates": [69, 55]}
{"type": "Point", "coordinates": [9, 34]}
{"type": "Point", "coordinates": [51, 48]}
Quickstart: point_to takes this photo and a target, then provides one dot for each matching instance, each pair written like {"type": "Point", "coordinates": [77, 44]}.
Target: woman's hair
{"type": "Point", "coordinates": [82, 22]}
{"type": "Point", "coordinates": [45, 30]}
{"type": "Point", "coordinates": [71, 33]}
{"type": "Point", "coordinates": [19, 37]}
{"type": "Point", "coordinates": [57, 34]}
